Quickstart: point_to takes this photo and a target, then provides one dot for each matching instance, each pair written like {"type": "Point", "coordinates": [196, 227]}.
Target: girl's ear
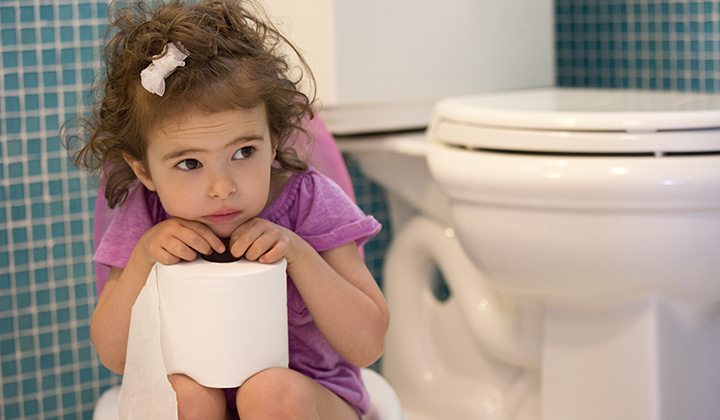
{"type": "Point", "coordinates": [140, 172]}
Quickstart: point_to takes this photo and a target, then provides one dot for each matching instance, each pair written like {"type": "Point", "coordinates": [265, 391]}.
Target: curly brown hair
{"type": "Point", "coordinates": [234, 62]}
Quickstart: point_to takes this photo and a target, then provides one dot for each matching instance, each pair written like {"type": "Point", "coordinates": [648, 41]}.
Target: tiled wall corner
{"type": "Point", "coordinates": [49, 369]}
{"type": "Point", "coordinates": [642, 44]}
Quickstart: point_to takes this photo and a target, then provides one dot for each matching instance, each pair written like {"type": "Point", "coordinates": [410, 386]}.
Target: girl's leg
{"type": "Point", "coordinates": [196, 402]}
{"type": "Point", "coordinates": [279, 393]}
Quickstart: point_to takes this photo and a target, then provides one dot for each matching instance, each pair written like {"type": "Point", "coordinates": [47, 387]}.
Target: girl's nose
{"type": "Point", "coordinates": [221, 186]}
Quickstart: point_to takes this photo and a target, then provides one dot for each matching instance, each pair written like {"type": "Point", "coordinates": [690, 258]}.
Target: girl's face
{"type": "Point", "coordinates": [213, 168]}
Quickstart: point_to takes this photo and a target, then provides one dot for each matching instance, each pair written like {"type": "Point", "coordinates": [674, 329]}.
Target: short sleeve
{"type": "Point", "coordinates": [140, 212]}
{"type": "Point", "coordinates": [320, 212]}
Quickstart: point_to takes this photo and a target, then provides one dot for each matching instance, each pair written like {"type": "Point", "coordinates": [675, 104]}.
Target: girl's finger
{"type": "Point", "coordinates": [200, 237]}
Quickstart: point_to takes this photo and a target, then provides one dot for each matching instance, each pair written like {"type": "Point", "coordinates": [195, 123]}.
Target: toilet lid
{"type": "Point", "coordinates": [582, 120]}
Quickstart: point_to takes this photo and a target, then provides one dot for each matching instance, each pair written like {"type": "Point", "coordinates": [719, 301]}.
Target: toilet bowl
{"type": "Point", "coordinates": [603, 206]}
{"type": "Point", "coordinates": [578, 233]}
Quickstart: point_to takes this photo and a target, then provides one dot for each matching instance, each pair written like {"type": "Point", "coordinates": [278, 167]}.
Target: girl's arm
{"type": "Point", "coordinates": [168, 242]}
{"type": "Point", "coordinates": [344, 301]}
{"type": "Point", "coordinates": [339, 291]}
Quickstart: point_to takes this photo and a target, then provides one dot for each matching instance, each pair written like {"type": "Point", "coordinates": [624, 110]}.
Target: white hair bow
{"type": "Point", "coordinates": [153, 77]}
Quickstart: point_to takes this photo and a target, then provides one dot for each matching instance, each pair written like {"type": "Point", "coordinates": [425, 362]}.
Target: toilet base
{"type": "Point", "coordinates": [646, 360]}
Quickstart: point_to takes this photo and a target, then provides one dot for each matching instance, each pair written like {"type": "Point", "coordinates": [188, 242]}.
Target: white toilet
{"type": "Point", "coordinates": [586, 280]}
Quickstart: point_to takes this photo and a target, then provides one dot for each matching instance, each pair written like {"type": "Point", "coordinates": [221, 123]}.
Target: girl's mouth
{"type": "Point", "coordinates": [223, 216]}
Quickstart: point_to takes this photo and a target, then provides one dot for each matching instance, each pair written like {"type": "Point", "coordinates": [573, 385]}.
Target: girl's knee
{"type": "Point", "coordinates": [196, 401]}
{"type": "Point", "coordinates": [277, 393]}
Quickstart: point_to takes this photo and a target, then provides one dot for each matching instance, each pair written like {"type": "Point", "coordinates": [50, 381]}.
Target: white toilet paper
{"type": "Point", "coordinates": [223, 322]}
{"type": "Point", "coordinates": [218, 323]}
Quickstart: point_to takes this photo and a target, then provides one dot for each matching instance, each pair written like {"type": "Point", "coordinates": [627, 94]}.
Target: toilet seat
{"type": "Point", "coordinates": [582, 121]}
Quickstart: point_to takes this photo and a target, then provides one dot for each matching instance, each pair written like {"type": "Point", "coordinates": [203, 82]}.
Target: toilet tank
{"type": "Point", "coordinates": [380, 65]}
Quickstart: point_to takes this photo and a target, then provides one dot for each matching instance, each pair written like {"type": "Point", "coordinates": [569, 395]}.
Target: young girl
{"type": "Point", "coordinates": [191, 137]}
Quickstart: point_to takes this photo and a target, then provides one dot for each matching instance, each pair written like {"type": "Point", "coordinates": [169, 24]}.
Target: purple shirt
{"type": "Point", "coordinates": [318, 211]}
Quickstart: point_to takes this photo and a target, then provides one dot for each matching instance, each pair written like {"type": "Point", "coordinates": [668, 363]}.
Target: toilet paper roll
{"type": "Point", "coordinates": [223, 322]}
{"type": "Point", "coordinates": [217, 323]}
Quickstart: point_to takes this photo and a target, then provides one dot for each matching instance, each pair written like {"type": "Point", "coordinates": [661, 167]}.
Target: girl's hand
{"type": "Point", "coordinates": [174, 240]}
{"type": "Point", "coordinates": [264, 241]}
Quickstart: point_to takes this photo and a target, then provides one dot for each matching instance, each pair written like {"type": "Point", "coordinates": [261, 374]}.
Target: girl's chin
{"type": "Point", "coordinates": [222, 232]}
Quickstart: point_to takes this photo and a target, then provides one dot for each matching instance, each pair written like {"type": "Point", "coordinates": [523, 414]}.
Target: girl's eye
{"type": "Point", "coordinates": [244, 152]}
{"type": "Point", "coordinates": [189, 164]}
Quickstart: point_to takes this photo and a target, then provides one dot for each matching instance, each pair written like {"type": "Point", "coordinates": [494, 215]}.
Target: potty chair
{"type": "Point", "coordinates": [326, 158]}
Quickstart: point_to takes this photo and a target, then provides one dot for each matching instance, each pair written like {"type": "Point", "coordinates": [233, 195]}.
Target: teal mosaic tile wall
{"type": "Point", "coordinates": [642, 44]}
{"type": "Point", "coordinates": [49, 369]}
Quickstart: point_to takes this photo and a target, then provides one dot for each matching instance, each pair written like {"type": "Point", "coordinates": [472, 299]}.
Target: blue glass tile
{"type": "Point", "coordinates": [47, 13]}
{"type": "Point", "coordinates": [58, 230]}
{"type": "Point", "coordinates": [65, 12]}
{"type": "Point", "coordinates": [14, 148]}
{"type": "Point", "coordinates": [38, 232]}
{"type": "Point", "coordinates": [41, 275]}
{"type": "Point", "coordinates": [68, 398]}
{"type": "Point", "coordinates": [40, 254]}
{"type": "Point", "coordinates": [50, 100]}
{"type": "Point", "coordinates": [85, 11]}
{"type": "Point", "coordinates": [11, 81]}
{"type": "Point", "coordinates": [67, 33]}
{"type": "Point", "coordinates": [25, 322]}
{"type": "Point", "coordinates": [27, 364]}
{"type": "Point", "coordinates": [29, 58]}
{"type": "Point", "coordinates": [8, 37]}
{"type": "Point", "coordinates": [34, 168]}
{"type": "Point", "coordinates": [32, 102]}
{"type": "Point", "coordinates": [67, 56]}
{"type": "Point", "coordinates": [75, 206]}
{"type": "Point", "coordinates": [22, 278]}
{"type": "Point", "coordinates": [86, 375]}
{"type": "Point", "coordinates": [46, 341]}
{"type": "Point", "coordinates": [7, 15]}
{"type": "Point", "coordinates": [27, 36]}
{"type": "Point", "coordinates": [49, 403]}
{"type": "Point", "coordinates": [47, 35]}
{"type": "Point", "coordinates": [78, 249]}
{"type": "Point", "coordinates": [7, 346]}
{"type": "Point", "coordinates": [87, 54]}
{"type": "Point", "coordinates": [17, 213]}
{"type": "Point", "coordinates": [42, 297]}
{"type": "Point", "coordinates": [87, 77]}
{"type": "Point", "coordinates": [31, 408]}
{"type": "Point", "coordinates": [86, 33]}
{"type": "Point", "coordinates": [82, 312]}
{"type": "Point", "coordinates": [5, 305]}
{"type": "Point", "coordinates": [68, 77]}
{"type": "Point", "coordinates": [49, 57]}
{"type": "Point", "coordinates": [60, 272]}
{"type": "Point", "coordinates": [102, 9]}
{"type": "Point", "coordinates": [10, 59]}
{"type": "Point", "coordinates": [50, 78]}
{"type": "Point", "coordinates": [19, 235]}
{"type": "Point", "coordinates": [21, 257]}
{"type": "Point", "coordinates": [27, 14]}
{"type": "Point", "coordinates": [81, 291]}
{"type": "Point", "coordinates": [64, 336]}
{"type": "Point", "coordinates": [27, 343]}
{"type": "Point", "coordinates": [12, 104]}
{"type": "Point", "coordinates": [37, 210]}
{"type": "Point", "coordinates": [9, 368]}
{"type": "Point", "coordinates": [33, 146]}
{"type": "Point", "coordinates": [11, 411]}
{"type": "Point", "coordinates": [57, 208]}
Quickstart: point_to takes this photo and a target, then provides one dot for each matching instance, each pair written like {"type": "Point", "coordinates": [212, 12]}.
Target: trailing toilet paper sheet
{"type": "Point", "coordinates": [146, 392]}
{"type": "Point", "coordinates": [218, 323]}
